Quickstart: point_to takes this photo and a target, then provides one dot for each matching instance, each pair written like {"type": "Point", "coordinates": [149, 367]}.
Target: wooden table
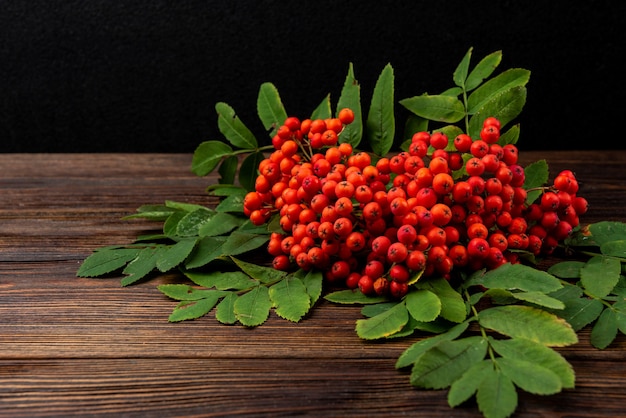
{"type": "Point", "coordinates": [74, 346]}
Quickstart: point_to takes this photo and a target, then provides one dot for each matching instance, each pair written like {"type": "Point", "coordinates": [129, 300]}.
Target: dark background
{"type": "Point", "coordinates": [144, 76]}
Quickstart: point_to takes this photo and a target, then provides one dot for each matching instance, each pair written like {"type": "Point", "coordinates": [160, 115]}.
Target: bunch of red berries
{"type": "Point", "coordinates": [434, 209]}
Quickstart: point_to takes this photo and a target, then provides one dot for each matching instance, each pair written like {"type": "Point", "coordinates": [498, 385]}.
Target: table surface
{"type": "Point", "coordinates": [76, 346]}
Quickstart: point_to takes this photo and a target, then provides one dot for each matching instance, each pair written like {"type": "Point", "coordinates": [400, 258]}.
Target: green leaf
{"type": "Point", "coordinates": [505, 106]}
{"type": "Point", "coordinates": [323, 110]}
{"type": "Point", "coordinates": [381, 123]}
{"type": "Point", "coordinates": [219, 224]}
{"type": "Point", "coordinates": [351, 98]}
{"type": "Point", "coordinates": [290, 299]}
{"type": "Point", "coordinates": [606, 231]}
{"type": "Point", "coordinates": [187, 310]}
{"type": "Point", "coordinates": [253, 307]}
{"type": "Point", "coordinates": [496, 395]}
{"type": "Point", "coordinates": [249, 170]}
{"type": "Point", "coordinates": [506, 81]}
{"type": "Point", "coordinates": [190, 224]}
{"type": "Point", "coordinates": [225, 190]}
{"type": "Point", "coordinates": [186, 292]}
{"type": "Point", "coordinates": [438, 108]}
{"type": "Point", "coordinates": [233, 203]}
{"type": "Point", "coordinates": [452, 304]}
{"type": "Point", "coordinates": [143, 264]}
{"type": "Point", "coordinates": [539, 298]}
{"type": "Point", "coordinates": [174, 255]}
{"type": "Point", "coordinates": [566, 269]}
{"type": "Point", "coordinates": [567, 292]}
{"type": "Point", "coordinates": [242, 242]}
{"type": "Point", "coordinates": [423, 305]}
{"type": "Point", "coordinates": [581, 312]}
{"type": "Point", "coordinates": [483, 70]}
{"type": "Point", "coordinates": [383, 325]}
{"type": "Point", "coordinates": [313, 281]}
{"type": "Point", "coordinates": [511, 136]}
{"type": "Point", "coordinates": [222, 280]}
{"type": "Point", "coordinates": [228, 170]}
{"type": "Point", "coordinates": [233, 128]}
{"type": "Point", "coordinates": [536, 175]}
{"type": "Point", "coordinates": [182, 206]}
{"type": "Point", "coordinates": [207, 155]}
{"type": "Point", "coordinates": [206, 250]}
{"type": "Point", "coordinates": [260, 273]}
{"type": "Point", "coordinates": [620, 317]}
{"type": "Point", "coordinates": [413, 125]}
{"type": "Point", "coordinates": [446, 362]}
{"type": "Point", "coordinates": [466, 386]}
{"type": "Point", "coordinates": [151, 212]}
{"type": "Point", "coordinates": [106, 261]}
{"type": "Point", "coordinates": [529, 376]}
{"type": "Point", "coordinates": [416, 350]}
{"type": "Point", "coordinates": [460, 74]}
{"type": "Point", "coordinates": [600, 275]}
{"type": "Point", "coordinates": [270, 108]}
{"type": "Point", "coordinates": [605, 329]}
{"type": "Point", "coordinates": [350, 296]}
{"type": "Point", "coordinates": [171, 223]}
{"type": "Point", "coordinates": [528, 322]}
{"type": "Point", "coordinates": [225, 311]}
{"type": "Point", "coordinates": [614, 248]}
{"type": "Point", "coordinates": [535, 353]}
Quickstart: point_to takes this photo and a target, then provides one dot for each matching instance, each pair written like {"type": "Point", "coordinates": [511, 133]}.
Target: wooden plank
{"type": "Point", "coordinates": [76, 346]}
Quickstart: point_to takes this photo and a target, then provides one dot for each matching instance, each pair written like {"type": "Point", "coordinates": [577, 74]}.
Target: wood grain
{"type": "Point", "coordinates": [88, 347]}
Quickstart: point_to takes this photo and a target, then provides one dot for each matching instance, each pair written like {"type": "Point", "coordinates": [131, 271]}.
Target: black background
{"type": "Point", "coordinates": [144, 76]}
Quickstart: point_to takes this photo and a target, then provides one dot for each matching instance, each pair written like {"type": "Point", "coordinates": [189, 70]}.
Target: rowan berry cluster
{"type": "Point", "coordinates": [436, 208]}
